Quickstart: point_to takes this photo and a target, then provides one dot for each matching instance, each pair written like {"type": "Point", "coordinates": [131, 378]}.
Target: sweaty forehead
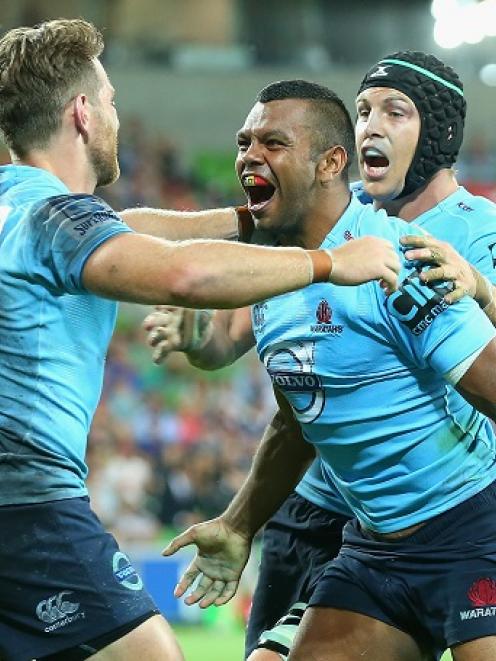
{"type": "Point", "coordinates": [286, 115]}
{"type": "Point", "coordinates": [383, 95]}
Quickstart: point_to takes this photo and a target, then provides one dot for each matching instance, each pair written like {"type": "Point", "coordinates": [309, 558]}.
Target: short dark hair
{"type": "Point", "coordinates": [331, 120]}
{"type": "Point", "coordinates": [41, 68]}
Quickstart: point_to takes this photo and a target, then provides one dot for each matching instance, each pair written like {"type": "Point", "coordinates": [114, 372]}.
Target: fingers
{"type": "Point", "coordinates": [219, 593]}
{"type": "Point", "coordinates": [228, 593]}
{"type": "Point", "coordinates": [447, 274]}
{"type": "Point", "coordinates": [186, 581]}
{"type": "Point", "coordinates": [161, 316]}
{"type": "Point", "coordinates": [164, 331]}
{"type": "Point", "coordinates": [455, 295]}
{"type": "Point", "coordinates": [416, 241]}
{"type": "Point", "coordinates": [214, 592]}
{"type": "Point", "coordinates": [170, 317]}
{"type": "Point", "coordinates": [206, 592]}
{"type": "Point", "coordinates": [184, 539]}
{"type": "Point", "coordinates": [165, 341]}
{"type": "Point", "coordinates": [389, 282]}
{"type": "Point", "coordinates": [430, 255]}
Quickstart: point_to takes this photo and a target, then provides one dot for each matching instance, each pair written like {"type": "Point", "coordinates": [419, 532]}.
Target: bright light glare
{"type": "Point", "coordinates": [463, 21]}
{"type": "Point", "coordinates": [440, 8]}
{"type": "Point", "coordinates": [488, 75]}
{"type": "Point", "coordinates": [473, 24]}
{"type": "Point", "coordinates": [488, 12]}
{"type": "Point", "coordinates": [448, 36]}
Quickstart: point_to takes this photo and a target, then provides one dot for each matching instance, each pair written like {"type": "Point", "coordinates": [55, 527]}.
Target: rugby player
{"type": "Point", "coordinates": [408, 168]}
{"type": "Point", "coordinates": [66, 589]}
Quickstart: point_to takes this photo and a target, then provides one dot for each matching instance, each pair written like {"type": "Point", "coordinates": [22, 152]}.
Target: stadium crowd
{"type": "Point", "coordinates": [170, 445]}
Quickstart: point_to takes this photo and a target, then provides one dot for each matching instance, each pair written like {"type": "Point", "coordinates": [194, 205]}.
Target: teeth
{"type": "Point", "coordinates": [255, 180]}
{"type": "Point", "coordinates": [372, 151]}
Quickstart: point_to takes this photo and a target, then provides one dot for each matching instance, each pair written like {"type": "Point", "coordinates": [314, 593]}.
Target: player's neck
{"type": "Point", "coordinates": [438, 188]}
{"type": "Point", "coordinates": [69, 164]}
{"type": "Point", "coordinates": [318, 222]}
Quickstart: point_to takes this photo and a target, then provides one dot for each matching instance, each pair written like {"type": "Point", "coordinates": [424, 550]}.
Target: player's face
{"type": "Point", "coordinates": [387, 132]}
{"type": "Point", "coordinates": [275, 164]}
{"type": "Point", "coordinates": [103, 141]}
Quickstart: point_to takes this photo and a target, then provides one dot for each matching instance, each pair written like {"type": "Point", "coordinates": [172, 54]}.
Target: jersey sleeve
{"type": "Point", "coordinates": [358, 190]}
{"type": "Point", "coordinates": [67, 229]}
{"type": "Point", "coordinates": [432, 333]}
{"type": "Point", "coordinates": [481, 251]}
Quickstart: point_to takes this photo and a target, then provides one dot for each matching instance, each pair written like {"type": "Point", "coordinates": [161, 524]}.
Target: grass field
{"type": "Point", "coordinates": [213, 644]}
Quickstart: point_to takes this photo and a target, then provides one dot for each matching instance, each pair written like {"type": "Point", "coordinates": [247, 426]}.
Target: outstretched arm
{"type": "Point", "coordinates": [218, 274]}
{"type": "Point", "coordinates": [223, 544]}
{"type": "Point", "coordinates": [230, 223]}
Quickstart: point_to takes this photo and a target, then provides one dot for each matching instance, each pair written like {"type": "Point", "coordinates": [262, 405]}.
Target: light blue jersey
{"type": "Point", "coordinates": [53, 333]}
{"type": "Point", "coordinates": [468, 223]}
{"type": "Point", "coordinates": [364, 376]}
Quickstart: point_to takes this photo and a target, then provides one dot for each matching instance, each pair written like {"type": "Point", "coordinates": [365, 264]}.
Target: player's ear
{"type": "Point", "coordinates": [81, 114]}
{"type": "Point", "coordinates": [331, 163]}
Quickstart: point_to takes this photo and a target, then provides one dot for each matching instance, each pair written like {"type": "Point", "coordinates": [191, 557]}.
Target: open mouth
{"type": "Point", "coordinates": [259, 191]}
{"type": "Point", "coordinates": [375, 163]}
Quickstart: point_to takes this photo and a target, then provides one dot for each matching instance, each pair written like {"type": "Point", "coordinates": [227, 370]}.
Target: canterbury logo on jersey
{"type": "Point", "coordinates": [56, 607]}
{"type": "Point", "coordinates": [416, 305]}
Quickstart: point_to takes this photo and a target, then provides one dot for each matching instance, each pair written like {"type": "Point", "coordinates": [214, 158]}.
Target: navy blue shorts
{"type": "Point", "coordinates": [298, 542]}
{"type": "Point", "coordinates": [438, 584]}
{"type": "Point", "coordinates": [63, 580]}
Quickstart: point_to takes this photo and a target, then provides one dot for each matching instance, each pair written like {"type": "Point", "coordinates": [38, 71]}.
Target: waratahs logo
{"type": "Point", "coordinates": [324, 313]}
{"type": "Point", "coordinates": [482, 594]}
{"type": "Point", "coordinates": [290, 367]}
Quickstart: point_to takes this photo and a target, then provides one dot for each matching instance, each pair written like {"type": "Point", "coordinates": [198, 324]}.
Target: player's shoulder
{"type": "Point", "coordinates": [468, 208]}
{"type": "Point", "coordinates": [73, 206]}
{"type": "Point", "coordinates": [378, 223]}
{"type": "Point", "coordinates": [78, 212]}
{"type": "Point", "coordinates": [358, 191]}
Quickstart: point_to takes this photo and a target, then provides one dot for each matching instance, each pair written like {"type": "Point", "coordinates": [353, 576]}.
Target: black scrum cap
{"type": "Point", "coordinates": [437, 92]}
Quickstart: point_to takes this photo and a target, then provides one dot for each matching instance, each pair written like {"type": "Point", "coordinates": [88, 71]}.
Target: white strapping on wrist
{"type": "Point", "coordinates": [310, 267]}
{"type": "Point", "coordinates": [456, 373]}
{"type": "Point", "coordinates": [489, 286]}
{"type": "Point", "coordinates": [331, 257]}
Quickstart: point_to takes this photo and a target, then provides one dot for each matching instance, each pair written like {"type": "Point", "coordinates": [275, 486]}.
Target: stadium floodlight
{"type": "Point", "coordinates": [441, 8]}
{"type": "Point", "coordinates": [473, 24]}
{"type": "Point", "coordinates": [488, 10]}
{"type": "Point", "coordinates": [448, 36]}
{"type": "Point", "coordinates": [463, 21]}
{"type": "Point", "coordinates": [488, 75]}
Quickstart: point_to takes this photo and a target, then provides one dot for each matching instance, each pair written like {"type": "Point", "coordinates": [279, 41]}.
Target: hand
{"type": "Point", "coordinates": [172, 328]}
{"type": "Point", "coordinates": [164, 328]}
{"type": "Point", "coordinates": [219, 562]}
{"type": "Point", "coordinates": [365, 259]}
{"type": "Point", "coordinates": [448, 265]}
